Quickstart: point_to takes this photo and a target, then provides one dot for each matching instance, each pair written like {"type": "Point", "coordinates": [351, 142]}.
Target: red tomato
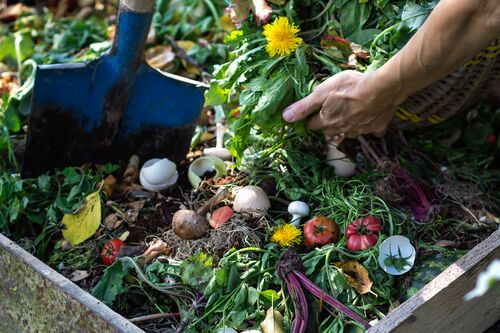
{"type": "Point", "coordinates": [363, 233]}
{"type": "Point", "coordinates": [110, 251]}
{"type": "Point", "coordinates": [319, 231]}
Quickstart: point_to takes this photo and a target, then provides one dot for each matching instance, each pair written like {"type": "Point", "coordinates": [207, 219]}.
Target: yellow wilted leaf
{"type": "Point", "coordinates": [356, 275]}
{"type": "Point", "coordinates": [186, 45]}
{"type": "Point", "coordinates": [226, 23]}
{"type": "Point", "coordinates": [84, 223]}
{"type": "Point", "coordinates": [273, 323]}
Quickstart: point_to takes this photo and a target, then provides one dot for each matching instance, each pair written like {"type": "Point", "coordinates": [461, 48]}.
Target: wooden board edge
{"type": "Point", "coordinates": [119, 323]}
{"type": "Point", "coordinates": [466, 270]}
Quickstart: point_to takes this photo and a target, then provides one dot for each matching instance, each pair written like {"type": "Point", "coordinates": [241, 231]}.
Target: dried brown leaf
{"type": "Point", "coordinates": [273, 323]}
{"type": "Point", "coordinates": [356, 275]}
{"type": "Point", "coordinates": [79, 275]}
{"type": "Point", "coordinates": [109, 185]}
{"type": "Point", "coordinates": [111, 222]}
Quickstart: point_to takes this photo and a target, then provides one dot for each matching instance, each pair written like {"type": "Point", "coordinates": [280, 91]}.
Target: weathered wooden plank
{"type": "Point", "coordinates": [35, 298]}
{"type": "Point", "coordinates": [440, 307]}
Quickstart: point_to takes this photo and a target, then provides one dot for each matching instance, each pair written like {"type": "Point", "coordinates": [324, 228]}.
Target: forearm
{"type": "Point", "coordinates": [454, 33]}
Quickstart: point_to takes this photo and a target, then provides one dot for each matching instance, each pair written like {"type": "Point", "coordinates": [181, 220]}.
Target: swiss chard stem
{"type": "Point", "coordinates": [303, 303]}
{"type": "Point", "coordinates": [317, 292]}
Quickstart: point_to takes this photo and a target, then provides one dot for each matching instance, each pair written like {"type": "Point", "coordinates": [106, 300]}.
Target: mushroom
{"type": "Point", "coordinates": [219, 150]}
{"type": "Point", "coordinates": [298, 209]}
{"type": "Point", "coordinates": [189, 224]}
{"type": "Point", "coordinates": [202, 165]}
{"type": "Point", "coordinates": [158, 174]}
{"type": "Point", "coordinates": [343, 166]}
{"type": "Point", "coordinates": [251, 199]}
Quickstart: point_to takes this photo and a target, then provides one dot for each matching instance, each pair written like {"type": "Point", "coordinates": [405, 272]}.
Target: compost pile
{"type": "Point", "coordinates": [250, 265]}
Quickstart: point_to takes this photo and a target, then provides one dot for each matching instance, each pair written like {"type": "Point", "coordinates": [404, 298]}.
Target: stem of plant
{"type": "Point", "coordinates": [316, 291]}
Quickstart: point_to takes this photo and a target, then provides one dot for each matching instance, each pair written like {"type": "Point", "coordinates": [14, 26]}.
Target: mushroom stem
{"type": "Point", "coordinates": [219, 149]}
{"type": "Point", "coordinates": [219, 136]}
{"type": "Point", "coordinates": [295, 219]}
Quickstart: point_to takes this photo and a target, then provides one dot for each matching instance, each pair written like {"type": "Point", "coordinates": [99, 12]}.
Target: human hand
{"type": "Point", "coordinates": [349, 103]}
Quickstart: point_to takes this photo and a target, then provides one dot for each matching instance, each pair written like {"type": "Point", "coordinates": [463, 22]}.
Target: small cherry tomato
{"type": "Point", "coordinates": [320, 231]}
{"type": "Point", "coordinates": [363, 233]}
{"type": "Point", "coordinates": [110, 250]}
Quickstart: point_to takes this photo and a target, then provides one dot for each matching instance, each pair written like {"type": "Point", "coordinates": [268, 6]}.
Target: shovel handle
{"type": "Point", "coordinates": [139, 6]}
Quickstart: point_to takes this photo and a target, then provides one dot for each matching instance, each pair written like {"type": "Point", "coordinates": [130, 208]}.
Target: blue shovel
{"type": "Point", "coordinates": [112, 107]}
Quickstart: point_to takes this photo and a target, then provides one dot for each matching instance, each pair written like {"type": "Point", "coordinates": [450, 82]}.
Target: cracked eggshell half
{"type": "Point", "coordinates": [205, 164]}
{"type": "Point", "coordinates": [390, 245]}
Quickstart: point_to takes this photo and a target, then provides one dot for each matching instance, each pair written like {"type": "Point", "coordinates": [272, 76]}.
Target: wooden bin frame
{"type": "Point", "coordinates": [35, 298]}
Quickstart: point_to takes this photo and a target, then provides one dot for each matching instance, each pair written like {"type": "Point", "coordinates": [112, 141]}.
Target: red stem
{"type": "Point", "coordinates": [316, 291]}
{"type": "Point", "coordinates": [298, 319]}
{"type": "Point", "coordinates": [302, 301]}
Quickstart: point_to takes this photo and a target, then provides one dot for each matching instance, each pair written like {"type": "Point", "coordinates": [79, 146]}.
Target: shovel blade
{"type": "Point", "coordinates": [91, 113]}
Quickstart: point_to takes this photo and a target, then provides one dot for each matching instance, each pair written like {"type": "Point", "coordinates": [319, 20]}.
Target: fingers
{"type": "Point", "coordinates": [301, 109]}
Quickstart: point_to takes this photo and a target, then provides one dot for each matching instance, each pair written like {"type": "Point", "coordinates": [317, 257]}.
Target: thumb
{"type": "Point", "coordinates": [302, 108]}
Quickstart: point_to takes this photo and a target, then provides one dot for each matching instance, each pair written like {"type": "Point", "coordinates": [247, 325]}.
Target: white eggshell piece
{"type": "Point", "coordinates": [251, 199]}
{"type": "Point", "coordinates": [391, 244]}
{"type": "Point", "coordinates": [157, 188]}
{"type": "Point", "coordinates": [205, 164]}
{"type": "Point", "coordinates": [158, 171]}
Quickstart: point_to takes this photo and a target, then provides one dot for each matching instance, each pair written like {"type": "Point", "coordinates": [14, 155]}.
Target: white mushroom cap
{"type": "Point", "coordinates": [251, 199]}
{"type": "Point", "coordinates": [298, 209]}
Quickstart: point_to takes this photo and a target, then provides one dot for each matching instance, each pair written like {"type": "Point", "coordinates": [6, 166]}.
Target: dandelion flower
{"type": "Point", "coordinates": [281, 37]}
{"type": "Point", "coordinates": [286, 235]}
{"type": "Point", "coordinates": [234, 35]}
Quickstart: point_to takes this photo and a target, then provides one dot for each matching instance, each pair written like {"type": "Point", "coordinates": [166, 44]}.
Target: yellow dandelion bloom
{"type": "Point", "coordinates": [286, 235]}
{"type": "Point", "coordinates": [281, 37]}
{"type": "Point", "coordinates": [235, 34]}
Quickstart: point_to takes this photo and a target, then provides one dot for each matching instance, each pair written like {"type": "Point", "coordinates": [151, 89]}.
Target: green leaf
{"type": "Point", "coordinates": [221, 276]}
{"type": "Point", "coordinates": [364, 37]}
{"type": "Point", "coordinates": [111, 283]}
{"type": "Point", "coordinates": [414, 15]}
{"type": "Point", "coordinates": [43, 182]}
{"type": "Point", "coordinates": [241, 296]}
{"type": "Point", "coordinates": [353, 16]}
{"type": "Point", "coordinates": [215, 95]}
{"type": "Point", "coordinates": [110, 168]}
{"type": "Point", "coordinates": [377, 62]}
{"type": "Point", "coordinates": [196, 271]}
{"type": "Point", "coordinates": [7, 48]}
{"type": "Point", "coordinates": [234, 279]}
{"type": "Point", "coordinates": [270, 294]}
{"type": "Point", "coordinates": [253, 296]}
{"type": "Point", "coordinates": [71, 176]}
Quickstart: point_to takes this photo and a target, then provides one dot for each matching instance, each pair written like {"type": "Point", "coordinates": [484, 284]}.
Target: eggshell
{"type": "Point", "coordinates": [158, 171]}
